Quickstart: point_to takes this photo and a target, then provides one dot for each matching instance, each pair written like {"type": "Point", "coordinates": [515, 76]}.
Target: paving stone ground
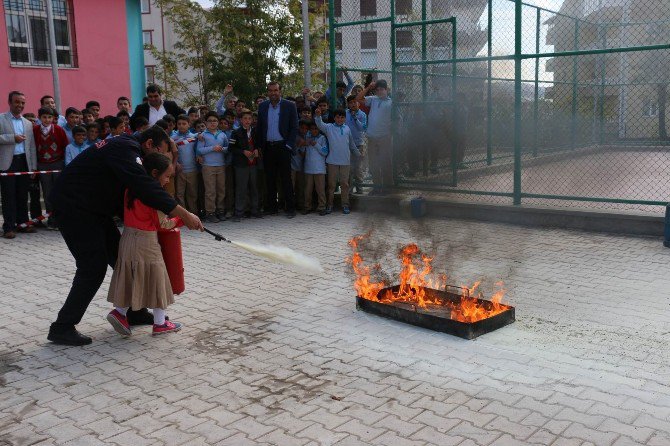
{"type": "Point", "coordinates": [271, 355]}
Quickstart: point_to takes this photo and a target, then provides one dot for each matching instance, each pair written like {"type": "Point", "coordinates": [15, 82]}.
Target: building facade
{"type": "Point", "coordinates": [628, 87]}
{"type": "Point", "coordinates": [98, 47]}
{"type": "Point", "coordinates": [158, 32]}
{"type": "Point", "coordinates": [368, 46]}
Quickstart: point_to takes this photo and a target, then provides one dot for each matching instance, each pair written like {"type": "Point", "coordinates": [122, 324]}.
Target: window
{"type": "Point", "coordinates": [649, 108]}
{"type": "Point", "coordinates": [368, 8]}
{"type": "Point", "coordinates": [440, 8]}
{"type": "Point", "coordinates": [403, 7]}
{"type": "Point", "coordinates": [338, 8]}
{"type": "Point", "coordinates": [147, 38]}
{"type": "Point", "coordinates": [403, 39]}
{"type": "Point", "coordinates": [368, 40]}
{"type": "Point", "coordinates": [338, 41]}
{"type": "Point", "coordinates": [145, 6]}
{"type": "Point", "coordinates": [441, 38]}
{"type": "Point", "coordinates": [150, 74]}
{"type": "Point", "coordinates": [28, 34]}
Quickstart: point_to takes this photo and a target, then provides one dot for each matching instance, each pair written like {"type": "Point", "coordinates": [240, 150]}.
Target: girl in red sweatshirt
{"type": "Point", "coordinates": [140, 278]}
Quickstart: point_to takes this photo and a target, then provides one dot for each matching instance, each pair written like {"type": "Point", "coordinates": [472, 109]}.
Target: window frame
{"type": "Point", "coordinates": [148, 11]}
{"type": "Point", "coordinates": [370, 32]}
{"type": "Point", "coordinates": [151, 38]}
{"type": "Point", "coordinates": [27, 13]}
{"type": "Point", "coordinates": [153, 74]}
{"type": "Point", "coordinates": [368, 3]}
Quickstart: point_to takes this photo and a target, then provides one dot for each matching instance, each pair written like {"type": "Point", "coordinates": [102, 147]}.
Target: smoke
{"type": "Point", "coordinates": [460, 249]}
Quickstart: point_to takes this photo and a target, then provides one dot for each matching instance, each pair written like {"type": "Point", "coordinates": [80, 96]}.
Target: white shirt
{"type": "Point", "coordinates": [155, 115]}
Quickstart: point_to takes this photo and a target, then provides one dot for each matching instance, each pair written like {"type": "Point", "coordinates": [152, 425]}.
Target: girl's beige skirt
{"type": "Point", "coordinates": [140, 278]}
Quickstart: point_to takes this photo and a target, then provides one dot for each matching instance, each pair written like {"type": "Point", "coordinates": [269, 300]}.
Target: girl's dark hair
{"type": "Point", "coordinates": [153, 161]}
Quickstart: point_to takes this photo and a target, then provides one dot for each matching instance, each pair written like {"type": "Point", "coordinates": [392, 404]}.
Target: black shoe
{"type": "Point", "coordinates": [237, 218]}
{"type": "Point", "coordinates": [290, 214]}
{"type": "Point", "coordinates": [271, 212]}
{"type": "Point", "coordinates": [67, 336]}
{"type": "Point", "coordinates": [140, 317]}
{"type": "Point", "coordinates": [323, 212]}
{"type": "Point", "coordinates": [256, 215]}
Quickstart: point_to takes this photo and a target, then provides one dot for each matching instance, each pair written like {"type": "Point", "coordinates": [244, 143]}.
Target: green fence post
{"type": "Point", "coordinates": [536, 131]}
{"type": "Point", "coordinates": [603, 74]}
{"type": "Point", "coordinates": [333, 62]}
{"type": "Point", "coordinates": [454, 101]}
{"type": "Point", "coordinates": [517, 100]}
{"type": "Point", "coordinates": [573, 123]}
{"type": "Point", "coordinates": [489, 92]}
{"type": "Point", "coordinates": [394, 108]}
{"type": "Point", "coordinates": [424, 75]}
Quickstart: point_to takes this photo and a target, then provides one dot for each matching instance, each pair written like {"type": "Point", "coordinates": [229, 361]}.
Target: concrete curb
{"type": "Point", "coordinates": [560, 218]}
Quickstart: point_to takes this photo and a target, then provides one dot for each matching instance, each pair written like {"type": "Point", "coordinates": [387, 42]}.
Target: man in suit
{"type": "Point", "coordinates": [155, 108]}
{"type": "Point", "coordinates": [17, 154]}
{"type": "Point", "coordinates": [277, 133]}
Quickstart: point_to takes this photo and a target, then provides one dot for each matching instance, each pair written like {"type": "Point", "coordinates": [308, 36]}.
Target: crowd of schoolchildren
{"type": "Point", "coordinates": [218, 166]}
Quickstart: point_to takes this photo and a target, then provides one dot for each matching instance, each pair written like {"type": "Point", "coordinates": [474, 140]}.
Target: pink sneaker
{"type": "Point", "coordinates": [167, 327]}
{"type": "Point", "coordinates": [119, 322]}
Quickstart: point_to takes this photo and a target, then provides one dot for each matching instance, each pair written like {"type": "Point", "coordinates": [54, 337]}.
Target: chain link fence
{"type": "Point", "coordinates": [559, 103]}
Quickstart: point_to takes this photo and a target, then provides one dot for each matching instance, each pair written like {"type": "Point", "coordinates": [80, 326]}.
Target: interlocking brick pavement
{"type": "Point", "coordinates": [265, 348]}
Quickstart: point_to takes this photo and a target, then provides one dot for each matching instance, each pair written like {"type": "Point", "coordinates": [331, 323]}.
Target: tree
{"type": "Point", "coordinates": [193, 52]}
{"type": "Point", "coordinates": [258, 40]}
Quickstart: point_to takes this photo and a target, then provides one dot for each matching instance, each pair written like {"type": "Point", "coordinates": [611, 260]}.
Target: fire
{"type": "Point", "coordinates": [416, 277]}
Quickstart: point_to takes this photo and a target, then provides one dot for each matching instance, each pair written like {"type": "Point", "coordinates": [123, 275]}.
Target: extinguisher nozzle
{"type": "Point", "coordinates": [217, 237]}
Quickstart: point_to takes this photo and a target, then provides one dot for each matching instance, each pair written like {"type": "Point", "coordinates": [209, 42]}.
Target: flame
{"type": "Point", "coordinates": [416, 279]}
{"type": "Point", "coordinates": [363, 285]}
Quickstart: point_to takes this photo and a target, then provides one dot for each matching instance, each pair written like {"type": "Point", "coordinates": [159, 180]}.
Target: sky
{"type": "Point", "coordinates": [205, 3]}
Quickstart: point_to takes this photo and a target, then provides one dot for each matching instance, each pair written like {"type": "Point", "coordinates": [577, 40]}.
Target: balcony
{"type": "Point", "coordinates": [597, 7]}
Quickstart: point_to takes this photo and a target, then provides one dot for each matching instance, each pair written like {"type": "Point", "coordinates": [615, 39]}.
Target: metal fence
{"type": "Point", "coordinates": [508, 101]}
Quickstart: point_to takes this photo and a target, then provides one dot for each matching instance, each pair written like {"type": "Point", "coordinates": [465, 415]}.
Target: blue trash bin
{"type": "Point", "coordinates": [418, 207]}
{"type": "Point", "coordinates": [666, 241]}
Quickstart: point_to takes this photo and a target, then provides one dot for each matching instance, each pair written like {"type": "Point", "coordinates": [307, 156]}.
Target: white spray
{"type": "Point", "coordinates": [282, 254]}
{"type": "Point", "coordinates": [279, 254]}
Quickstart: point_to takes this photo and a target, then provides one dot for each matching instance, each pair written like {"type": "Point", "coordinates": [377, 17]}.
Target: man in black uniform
{"type": "Point", "coordinates": [86, 197]}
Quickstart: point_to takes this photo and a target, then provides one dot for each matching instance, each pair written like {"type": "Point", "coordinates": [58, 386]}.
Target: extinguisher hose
{"type": "Point", "coordinates": [217, 237]}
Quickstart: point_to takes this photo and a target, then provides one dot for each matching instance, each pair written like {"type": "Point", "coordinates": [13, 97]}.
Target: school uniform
{"type": "Point", "coordinates": [380, 144]}
{"type": "Point", "coordinates": [187, 179]}
{"type": "Point", "coordinates": [246, 170]}
{"type": "Point", "coordinates": [357, 124]}
{"type": "Point", "coordinates": [315, 171]}
{"type": "Point", "coordinates": [50, 143]}
{"type": "Point", "coordinates": [140, 278]}
{"type": "Point", "coordinates": [338, 162]}
{"type": "Point", "coordinates": [73, 150]}
{"type": "Point", "coordinates": [213, 169]}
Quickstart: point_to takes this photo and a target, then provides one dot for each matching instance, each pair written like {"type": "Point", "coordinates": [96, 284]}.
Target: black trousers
{"type": "Point", "coordinates": [35, 198]}
{"type": "Point", "coordinates": [14, 192]}
{"type": "Point", "coordinates": [94, 243]}
{"type": "Point", "coordinates": [277, 164]}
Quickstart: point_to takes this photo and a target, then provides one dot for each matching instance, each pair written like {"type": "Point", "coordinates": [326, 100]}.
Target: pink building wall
{"type": "Point", "coordinates": [103, 70]}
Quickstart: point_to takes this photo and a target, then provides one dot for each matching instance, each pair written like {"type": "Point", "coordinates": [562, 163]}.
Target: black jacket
{"type": "Point", "coordinates": [239, 142]}
{"type": "Point", "coordinates": [171, 108]}
{"type": "Point", "coordinates": [288, 122]}
{"type": "Point", "coordinates": [95, 181]}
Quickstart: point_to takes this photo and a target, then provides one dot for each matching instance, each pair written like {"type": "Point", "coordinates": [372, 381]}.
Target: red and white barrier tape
{"type": "Point", "coordinates": [34, 221]}
{"type": "Point", "coordinates": [34, 172]}
{"type": "Point", "coordinates": [185, 141]}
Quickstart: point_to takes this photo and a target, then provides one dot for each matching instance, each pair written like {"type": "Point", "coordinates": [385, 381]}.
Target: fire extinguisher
{"type": "Point", "coordinates": [170, 242]}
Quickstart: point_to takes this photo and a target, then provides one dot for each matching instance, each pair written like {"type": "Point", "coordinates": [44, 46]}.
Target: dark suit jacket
{"type": "Point", "coordinates": [288, 122]}
{"type": "Point", "coordinates": [171, 108]}
{"type": "Point", "coordinates": [239, 142]}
